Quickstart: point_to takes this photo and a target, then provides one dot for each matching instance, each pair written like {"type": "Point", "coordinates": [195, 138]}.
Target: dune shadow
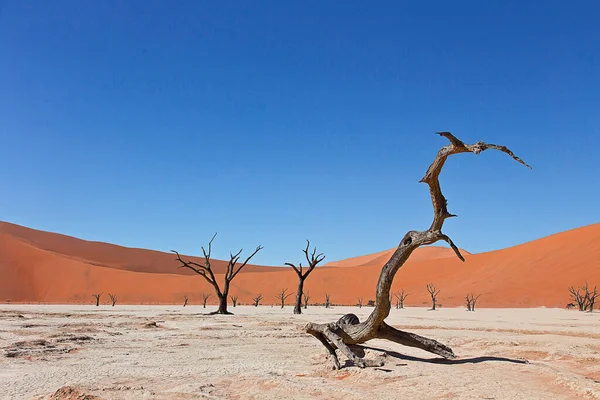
{"type": "Point", "coordinates": [440, 360]}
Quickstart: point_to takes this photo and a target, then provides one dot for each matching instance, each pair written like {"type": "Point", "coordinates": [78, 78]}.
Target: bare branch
{"type": "Point", "coordinates": [259, 248]}
{"type": "Point", "coordinates": [257, 299]}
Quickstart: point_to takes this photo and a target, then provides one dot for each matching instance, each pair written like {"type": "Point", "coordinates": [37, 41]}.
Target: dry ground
{"type": "Point", "coordinates": [171, 352]}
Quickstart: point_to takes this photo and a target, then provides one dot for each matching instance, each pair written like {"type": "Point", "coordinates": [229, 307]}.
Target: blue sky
{"type": "Point", "coordinates": [155, 124]}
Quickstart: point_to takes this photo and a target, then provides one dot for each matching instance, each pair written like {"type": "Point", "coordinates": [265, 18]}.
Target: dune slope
{"type": "Point", "coordinates": [42, 267]}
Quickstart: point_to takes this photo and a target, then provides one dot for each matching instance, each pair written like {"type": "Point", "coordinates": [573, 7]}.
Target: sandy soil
{"type": "Point", "coordinates": [171, 352]}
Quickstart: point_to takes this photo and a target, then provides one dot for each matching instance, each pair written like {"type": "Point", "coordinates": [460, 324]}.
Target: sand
{"type": "Point", "coordinates": [171, 352]}
{"type": "Point", "coordinates": [47, 267]}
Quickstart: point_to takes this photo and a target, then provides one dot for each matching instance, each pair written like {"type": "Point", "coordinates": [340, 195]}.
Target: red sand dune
{"type": "Point", "coordinates": [46, 267]}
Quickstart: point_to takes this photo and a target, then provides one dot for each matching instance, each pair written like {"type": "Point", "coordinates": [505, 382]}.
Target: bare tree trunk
{"type": "Point", "coordinates": [185, 300]}
{"type": "Point", "coordinates": [298, 304]}
{"type": "Point", "coordinates": [360, 302]}
{"type": "Point", "coordinates": [234, 300]}
{"type": "Point", "coordinates": [313, 259]}
{"type": "Point", "coordinates": [205, 271]}
{"type": "Point", "coordinates": [306, 297]}
{"type": "Point", "coordinates": [257, 300]}
{"type": "Point", "coordinates": [327, 298]}
{"type": "Point", "coordinates": [348, 330]}
{"type": "Point", "coordinates": [97, 297]}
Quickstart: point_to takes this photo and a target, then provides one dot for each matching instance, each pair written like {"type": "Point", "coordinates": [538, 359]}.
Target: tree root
{"type": "Point", "coordinates": [339, 335]}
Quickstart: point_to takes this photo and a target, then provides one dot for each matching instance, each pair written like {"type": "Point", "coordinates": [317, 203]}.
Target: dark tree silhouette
{"type": "Point", "coordinates": [471, 301]}
{"type": "Point", "coordinates": [313, 259]}
{"type": "Point", "coordinates": [185, 300]}
{"type": "Point", "coordinates": [400, 297]}
{"type": "Point", "coordinates": [97, 297]}
{"type": "Point", "coordinates": [590, 297]}
{"type": "Point", "coordinates": [579, 297]}
{"type": "Point", "coordinates": [113, 299]}
{"type": "Point", "coordinates": [306, 297]}
{"type": "Point", "coordinates": [257, 299]}
{"type": "Point", "coordinates": [327, 300]}
{"type": "Point", "coordinates": [205, 297]}
{"type": "Point", "coordinates": [433, 293]}
{"type": "Point", "coordinates": [348, 330]}
{"type": "Point", "coordinates": [282, 297]}
{"type": "Point", "coordinates": [205, 271]}
{"type": "Point", "coordinates": [234, 300]}
{"type": "Point", "coordinates": [360, 301]}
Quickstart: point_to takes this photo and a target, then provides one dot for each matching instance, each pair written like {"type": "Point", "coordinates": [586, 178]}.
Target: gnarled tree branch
{"type": "Point", "coordinates": [348, 329]}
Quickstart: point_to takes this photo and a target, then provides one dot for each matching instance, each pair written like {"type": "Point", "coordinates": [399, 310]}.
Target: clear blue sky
{"type": "Point", "coordinates": [154, 124]}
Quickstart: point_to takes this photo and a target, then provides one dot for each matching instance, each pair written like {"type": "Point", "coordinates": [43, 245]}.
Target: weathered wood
{"type": "Point", "coordinates": [313, 259]}
{"type": "Point", "coordinates": [348, 330]}
{"type": "Point", "coordinates": [205, 271]}
{"type": "Point", "coordinates": [97, 297]}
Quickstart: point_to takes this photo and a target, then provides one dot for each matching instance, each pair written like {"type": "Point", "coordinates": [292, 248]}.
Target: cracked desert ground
{"type": "Point", "coordinates": [262, 353]}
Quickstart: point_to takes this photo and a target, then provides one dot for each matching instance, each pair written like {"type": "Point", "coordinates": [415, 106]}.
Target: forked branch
{"type": "Point", "coordinates": [349, 330]}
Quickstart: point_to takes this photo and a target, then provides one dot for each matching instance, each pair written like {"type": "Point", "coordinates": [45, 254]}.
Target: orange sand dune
{"type": "Point", "coordinates": [533, 274]}
{"type": "Point", "coordinates": [108, 255]}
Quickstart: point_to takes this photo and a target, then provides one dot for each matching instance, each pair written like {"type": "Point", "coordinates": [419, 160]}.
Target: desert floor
{"type": "Point", "coordinates": [171, 352]}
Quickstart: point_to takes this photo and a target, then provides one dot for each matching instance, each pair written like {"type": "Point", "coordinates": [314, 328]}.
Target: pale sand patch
{"type": "Point", "coordinates": [262, 353]}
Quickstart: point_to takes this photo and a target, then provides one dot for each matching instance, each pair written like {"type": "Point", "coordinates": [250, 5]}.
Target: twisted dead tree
{"type": "Point", "coordinates": [470, 301]}
{"type": "Point", "coordinates": [257, 299]}
{"type": "Point", "coordinates": [360, 302]}
{"type": "Point", "coordinates": [205, 271]}
{"type": "Point", "coordinates": [348, 330]}
{"type": "Point", "coordinates": [282, 297]}
{"type": "Point", "coordinates": [400, 298]}
{"type": "Point", "coordinates": [590, 297]}
{"type": "Point", "coordinates": [306, 298]}
{"type": "Point", "coordinates": [185, 300]}
{"type": "Point", "coordinates": [205, 297]}
{"type": "Point", "coordinates": [234, 300]}
{"type": "Point", "coordinates": [113, 299]}
{"type": "Point", "coordinates": [433, 293]}
{"type": "Point", "coordinates": [97, 297]}
{"type": "Point", "coordinates": [327, 300]}
{"type": "Point", "coordinates": [579, 297]}
{"type": "Point", "coordinates": [312, 259]}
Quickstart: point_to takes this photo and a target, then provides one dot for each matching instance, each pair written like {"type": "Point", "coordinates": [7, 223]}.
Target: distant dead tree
{"type": "Point", "coordinates": [234, 300]}
{"type": "Point", "coordinates": [305, 298]}
{"type": "Point", "coordinates": [282, 297]}
{"type": "Point", "coordinates": [97, 297]}
{"type": "Point", "coordinates": [590, 297]}
{"type": "Point", "coordinates": [570, 305]}
{"type": "Point", "coordinates": [470, 301]}
{"type": "Point", "coordinates": [113, 299]}
{"type": "Point", "coordinates": [206, 272]}
{"type": "Point", "coordinates": [371, 303]}
{"type": "Point", "coordinates": [257, 299]}
{"type": "Point", "coordinates": [327, 300]}
{"type": "Point", "coordinates": [205, 297]}
{"type": "Point", "coordinates": [400, 297]}
{"type": "Point", "coordinates": [313, 259]}
{"type": "Point", "coordinates": [433, 292]}
{"type": "Point", "coordinates": [185, 300]}
{"type": "Point", "coordinates": [348, 330]}
{"type": "Point", "coordinates": [360, 301]}
{"type": "Point", "coordinates": [579, 297]}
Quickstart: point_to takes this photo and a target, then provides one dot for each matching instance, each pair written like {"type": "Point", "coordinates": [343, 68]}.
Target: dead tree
{"type": "Point", "coordinates": [313, 259]}
{"type": "Point", "coordinates": [282, 297]}
{"type": "Point", "coordinates": [348, 330]}
{"type": "Point", "coordinates": [113, 299]}
{"type": "Point", "coordinates": [97, 297]}
{"type": "Point", "coordinates": [360, 301]}
{"type": "Point", "coordinates": [400, 297]}
{"type": "Point", "coordinates": [206, 272]}
{"type": "Point", "coordinates": [257, 299]}
{"type": "Point", "coordinates": [470, 301]}
{"type": "Point", "coordinates": [305, 298]}
{"type": "Point", "coordinates": [327, 300]}
{"type": "Point", "coordinates": [205, 297]}
{"type": "Point", "coordinates": [185, 300]}
{"type": "Point", "coordinates": [433, 293]}
{"type": "Point", "coordinates": [590, 297]}
{"type": "Point", "coordinates": [579, 297]}
{"type": "Point", "coordinates": [234, 300]}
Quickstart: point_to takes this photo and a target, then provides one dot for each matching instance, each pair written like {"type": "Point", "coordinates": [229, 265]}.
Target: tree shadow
{"type": "Point", "coordinates": [440, 360]}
